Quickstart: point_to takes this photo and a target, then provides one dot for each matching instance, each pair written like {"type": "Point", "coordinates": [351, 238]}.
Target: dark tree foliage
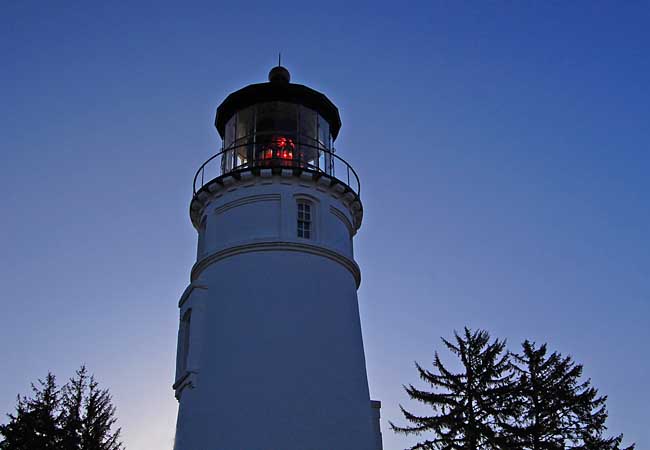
{"type": "Point", "coordinates": [527, 401]}
{"type": "Point", "coordinates": [98, 420]}
{"type": "Point", "coordinates": [556, 409]}
{"type": "Point", "coordinates": [34, 425]}
{"type": "Point", "coordinates": [72, 403]}
{"type": "Point", "coordinates": [468, 406]}
{"type": "Point", "coordinates": [80, 416]}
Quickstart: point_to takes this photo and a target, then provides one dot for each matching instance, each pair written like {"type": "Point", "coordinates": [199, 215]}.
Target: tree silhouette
{"type": "Point", "coordinates": [80, 416]}
{"type": "Point", "coordinates": [527, 401]}
{"type": "Point", "coordinates": [35, 424]}
{"type": "Point", "coordinates": [468, 406]}
{"type": "Point", "coordinates": [556, 409]}
{"type": "Point", "coordinates": [73, 409]}
{"type": "Point", "coordinates": [98, 420]}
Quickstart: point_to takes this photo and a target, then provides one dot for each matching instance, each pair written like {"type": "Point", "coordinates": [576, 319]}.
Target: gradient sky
{"type": "Point", "coordinates": [503, 150]}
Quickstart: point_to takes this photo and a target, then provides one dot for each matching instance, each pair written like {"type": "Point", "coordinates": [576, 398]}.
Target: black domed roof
{"type": "Point", "coordinates": [278, 89]}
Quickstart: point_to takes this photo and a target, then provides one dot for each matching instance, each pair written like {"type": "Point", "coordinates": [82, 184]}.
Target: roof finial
{"type": "Point", "coordinates": [279, 73]}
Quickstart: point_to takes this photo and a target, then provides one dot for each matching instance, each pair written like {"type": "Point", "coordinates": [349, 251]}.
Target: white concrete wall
{"type": "Point", "coordinates": [266, 211]}
{"type": "Point", "coordinates": [276, 355]}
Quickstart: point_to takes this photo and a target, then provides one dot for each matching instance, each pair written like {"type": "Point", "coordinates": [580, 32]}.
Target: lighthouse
{"type": "Point", "coordinates": [270, 352]}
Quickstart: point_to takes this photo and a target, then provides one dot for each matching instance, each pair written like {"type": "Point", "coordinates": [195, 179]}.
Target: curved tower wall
{"type": "Point", "coordinates": [270, 346]}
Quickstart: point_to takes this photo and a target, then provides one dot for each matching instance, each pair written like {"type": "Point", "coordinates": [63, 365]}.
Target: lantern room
{"type": "Point", "coordinates": [277, 128]}
{"type": "Point", "coordinates": [277, 124]}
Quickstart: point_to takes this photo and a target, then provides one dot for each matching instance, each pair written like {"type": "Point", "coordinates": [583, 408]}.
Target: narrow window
{"type": "Point", "coordinates": [185, 340]}
{"type": "Point", "coordinates": [304, 220]}
{"type": "Point", "coordinates": [201, 241]}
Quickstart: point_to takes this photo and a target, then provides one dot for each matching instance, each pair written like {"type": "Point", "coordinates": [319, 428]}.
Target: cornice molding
{"type": "Point", "coordinates": [246, 178]}
{"type": "Point", "coordinates": [188, 290]}
{"type": "Point", "coordinates": [188, 379]}
{"type": "Point", "coordinates": [276, 246]}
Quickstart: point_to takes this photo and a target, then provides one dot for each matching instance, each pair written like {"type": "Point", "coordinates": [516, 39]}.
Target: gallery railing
{"type": "Point", "coordinates": [273, 151]}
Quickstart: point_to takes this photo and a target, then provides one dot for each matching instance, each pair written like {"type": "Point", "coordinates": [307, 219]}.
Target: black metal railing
{"type": "Point", "coordinates": [276, 151]}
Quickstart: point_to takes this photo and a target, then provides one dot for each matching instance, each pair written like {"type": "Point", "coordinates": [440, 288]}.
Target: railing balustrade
{"type": "Point", "coordinates": [276, 150]}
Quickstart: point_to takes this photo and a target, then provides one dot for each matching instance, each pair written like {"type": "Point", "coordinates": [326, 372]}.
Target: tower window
{"type": "Point", "coordinates": [305, 229]}
{"type": "Point", "coordinates": [185, 340]}
{"type": "Point", "coordinates": [201, 241]}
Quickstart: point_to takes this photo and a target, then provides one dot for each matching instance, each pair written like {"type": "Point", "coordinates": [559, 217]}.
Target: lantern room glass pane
{"type": "Point", "coordinates": [277, 133]}
{"type": "Point", "coordinates": [308, 125]}
{"type": "Point", "coordinates": [323, 132]}
{"type": "Point", "coordinates": [324, 139]}
{"type": "Point", "coordinates": [276, 129]}
{"type": "Point", "coordinates": [277, 118]}
{"type": "Point", "coordinates": [245, 122]}
{"type": "Point", "coordinates": [308, 138]}
{"type": "Point", "coordinates": [243, 145]}
{"type": "Point", "coordinates": [227, 160]}
{"type": "Point", "coordinates": [230, 131]}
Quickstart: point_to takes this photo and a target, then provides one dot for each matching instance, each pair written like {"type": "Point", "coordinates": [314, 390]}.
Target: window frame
{"type": "Point", "coordinates": [186, 334]}
{"type": "Point", "coordinates": [305, 213]}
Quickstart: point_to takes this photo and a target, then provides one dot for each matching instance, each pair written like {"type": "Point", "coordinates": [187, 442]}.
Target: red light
{"type": "Point", "coordinates": [280, 146]}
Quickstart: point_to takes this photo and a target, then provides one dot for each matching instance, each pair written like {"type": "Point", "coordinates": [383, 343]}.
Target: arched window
{"type": "Point", "coordinates": [305, 219]}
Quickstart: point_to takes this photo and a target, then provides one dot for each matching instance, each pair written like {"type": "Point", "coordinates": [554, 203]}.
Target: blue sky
{"type": "Point", "coordinates": [503, 150]}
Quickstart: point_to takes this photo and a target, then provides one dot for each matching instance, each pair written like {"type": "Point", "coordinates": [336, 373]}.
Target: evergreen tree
{"type": "Point", "coordinates": [468, 406]}
{"type": "Point", "coordinates": [35, 425]}
{"type": "Point", "coordinates": [73, 404]}
{"type": "Point", "coordinates": [79, 417]}
{"type": "Point", "coordinates": [98, 421]}
{"type": "Point", "coordinates": [556, 410]}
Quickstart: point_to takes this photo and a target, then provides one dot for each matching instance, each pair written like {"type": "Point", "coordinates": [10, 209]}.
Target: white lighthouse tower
{"type": "Point", "coordinates": [270, 353]}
